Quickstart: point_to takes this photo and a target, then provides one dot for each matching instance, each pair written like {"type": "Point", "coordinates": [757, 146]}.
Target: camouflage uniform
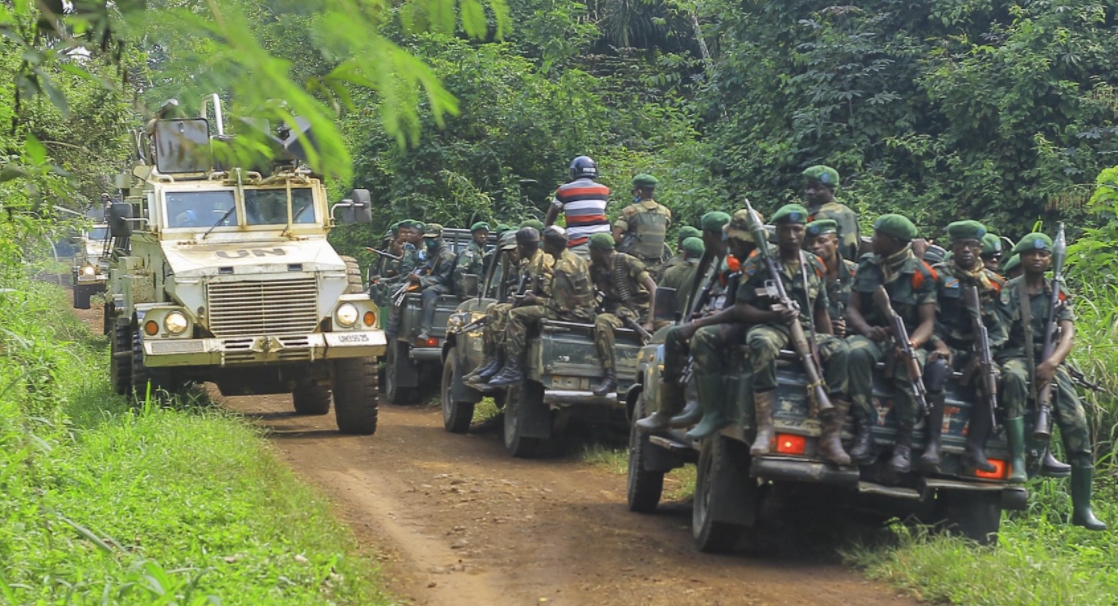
{"type": "Point", "coordinates": [645, 225]}
{"type": "Point", "coordinates": [953, 323]}
{"type": "Point", "coordinates": [849, 234]}
{"type": "Point", "coordinates": [470, 261]}
{"type": "Point", "coordinates": [838, 291]}
{"type": "Point", "coordinates": [614, 305]}
{"type": "Point", "coordinates": [1068, 409]}
{"type": "Point", "coordinates": [571, 299]}
{"type": "Point", "coordinates": [912, 284]}
{"type": "Point", "coordinates": [682, 279]}
{"type": "Point", "coordinates": [437, 279]}
{"type": "Point", "coordinates": [675, 348]}
{"type": "Point", "coordinates": [409, 260]}
{"type": "Point", "coordinates": [538, 269]}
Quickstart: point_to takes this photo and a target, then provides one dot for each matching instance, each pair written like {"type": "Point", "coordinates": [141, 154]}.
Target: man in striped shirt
{"type": "Point", "coordinates": [583, 202]}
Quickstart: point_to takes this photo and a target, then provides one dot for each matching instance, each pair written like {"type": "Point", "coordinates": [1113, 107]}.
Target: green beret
{"type": "Point", "coordinates": [1012, 263]}
{"type": "Point", "coordinates": [420, 225]}
{"type": "Point", "coordinates": [533, 223]}
{"type": "Point", "coordinates": [479, 225]}
{"type": "Point", "coordinates": [822, 174]}
{"type": "Point", "coordinates": [406, 224]}
{"type": "Point", "coordinates": [960, 230]}
{"type": "Point", "coordinates": [991, 244]}
{"type": "Point", "coordinates": [822, 226]}
{"type": "Point", "coordinates": [694, 246]}
{"type": "Point", "coordinates": [645, 180]}
{"type": "Point", "coordinates": [897, 226]}
{"type": "Point", "coordinates": [1033, 241]}
{"type": "Point", "coordinates": [714, 221]}
{"type": "Point", "coordinates": [689, 232]}
{"type": "Point", "coordinates": [394, 228]}
{"type": "Point", "coordinates": [507, 241]}
{"type": "Point", "coordinates": [790, 213]}
{"type": "Point", "coordinates": [433, 230]}
{"type": "Point", "coordinates": [502, 228]}
{"type": "Point", "coordinates": [601, 241]}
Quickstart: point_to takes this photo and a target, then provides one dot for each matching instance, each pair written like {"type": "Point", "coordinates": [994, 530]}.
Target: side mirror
{"type": "Point", "coordinates": [358, 208]}
{"type": "Point", "coordinates": [665, 304]}
{"type": "Point", "coordinates": [470, 283]}
{"type": "Point", "coordinates": [120, 225]}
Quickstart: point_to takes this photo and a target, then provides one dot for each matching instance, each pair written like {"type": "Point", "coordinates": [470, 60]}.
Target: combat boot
{"type": "Point", "coordinates": [902, 450]}
{"type": "Point", "coordinates": [608, 384]}
{"type": "Point", "coordinates": [486, 362]}
{"type": "Point", "coordinates": [1051, 467]}
{"type": "Point", "coordinates": [1081, 478]}
{"type": "Point", "coordinates": [929, 459]}
{"type": "Point", "coordinates": [714, 408]}
{"type": "Point", "coordinates": [671, 401]}
{"type": "Point", "coordinates": [692, 413]}
{"type": "Point", "coordinates": [511, 374]}
{"type": "Point", "coordinates": [974, 456]}
{"type": "Point", "coordinates": [861, 451]}
{"type": "Point", "coordinates": [491, 371]}
{"type": "Point", "coordinates": [830, 441]}
{"type": "Point", "coordinates": [1015, 432]}
{"type": "Point", "coordinates": [763, 404]}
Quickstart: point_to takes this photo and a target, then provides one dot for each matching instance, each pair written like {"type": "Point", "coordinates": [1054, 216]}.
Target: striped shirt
{"type": "Point", "coordinates": [584, 206]}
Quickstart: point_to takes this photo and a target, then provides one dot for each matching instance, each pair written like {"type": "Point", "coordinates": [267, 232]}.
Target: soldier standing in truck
{"type": "Point", "coordinates": [642, 228]}
{"type": "Point", "coordinates": [472, 260]}
{"type": "Point", "coordinates": [438, 278]}
{"type": "Point", "coordinates": [821, 184]}
{"type": "Point", "coordinates": [582, 201]}
{"type": "Point", "coordinates": [681, 278]}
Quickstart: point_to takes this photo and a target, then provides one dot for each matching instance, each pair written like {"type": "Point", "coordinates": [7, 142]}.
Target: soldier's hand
{"type": "Point", "coordinates": [838, 327]}
{"type": "Point", "coordinates": [529, 299]}
{"type": "Point", "coordinates": [788, 316]}
{"type": "Point", "coordinates": [1045, 372]}
{"type": "Point", "coordinates": [878, 334]}
{"type": "Point", "coordinates": [413, 278]}
{"type": "Point", "coordinates": [941, 352]}
{"type": "Point", "coordinates": [686, 331]}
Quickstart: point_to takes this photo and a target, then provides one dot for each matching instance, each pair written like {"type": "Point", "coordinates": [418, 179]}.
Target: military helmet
{"type": "Point", "coordinates": [583, 166]}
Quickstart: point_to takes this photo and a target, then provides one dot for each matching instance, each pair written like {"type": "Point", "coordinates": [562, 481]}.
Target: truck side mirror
{"type": "Point", "coordinates": [119, 224]}
{"type": "Point", "coordinates": [665, 304]}
{"type": "Point", "coordinates": [358, 208]}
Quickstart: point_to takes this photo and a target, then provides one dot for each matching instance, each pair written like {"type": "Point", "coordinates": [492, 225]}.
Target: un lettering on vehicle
{"type": "Point", "coordinates": [241, 253]}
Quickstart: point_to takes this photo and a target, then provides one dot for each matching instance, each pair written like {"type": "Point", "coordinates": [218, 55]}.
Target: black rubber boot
{"type": "Point", "coordinates": [861, 450]}
{"type": "Point", "coordinates": [764, 403]}
{"type": "Point", "coordinates": [671, 401]}
{"type": "Point", "coordinates": [929, 460]}
{"type": "Point", "coordinates": [974, 457]}
{"type": "Point", "coordinates": [489, 360]}
{"type": "Point", "coordinates": [1015, 433]}
{"type": "Point", "coordinates": [1051, 467]}
{"type": "Point", "coordinates": [902, 450]}
{"type": "Point", "coordinates": [714, 408]}
{"type": "Point", "coordinates": [1081, 478]}
{"type": "Point", "coordinates": [509, 375]}
{"type": "Point", "coordinates": [608, 384]}
{"type": "Point", "coordinates": [692, 413]}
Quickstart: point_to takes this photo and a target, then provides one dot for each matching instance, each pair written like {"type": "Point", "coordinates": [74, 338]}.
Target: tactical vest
{"type": "Point", "coordinates": [649, 229]}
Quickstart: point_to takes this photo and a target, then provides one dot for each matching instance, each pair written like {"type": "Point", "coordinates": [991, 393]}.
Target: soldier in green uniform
{"type": "Point", "coordinates": [822, 181]}
{"type": "Point", "coordinates": [822, 239]}
{"type": "Point", "coordinates": [535, 224]}
{"type": "Point", "coordinates": [954, 336]}
{"type": "Point", "coordinates": [571, 298]}
{"type": "Point", "coordinates": [496, 313]}
{"type": "Point", "coordinates": [437, 276]}
{"type": "Point", "coordinates": [677, 340]}
{"type": "Point", "coordinates": [411, 234]}
{"type": "Point", "coordinates": [642, 227]}
{"type": "Point", "coordinates": [684, 232]}
{"type": "Point", "coordinates": [681, 278]}
{"type": "Point", "coordinates": [1012, 267]}
{"type": "Point", "coordinates": [472, 260]}
{"type": "Point", "coordinates": [911, 285]}
{"type": "Point", "coordinates": [991, 251]}
{"type": "Point", "coordinates": [627, 291]}
{"type": "Point", "coordinates": [1025, 305]}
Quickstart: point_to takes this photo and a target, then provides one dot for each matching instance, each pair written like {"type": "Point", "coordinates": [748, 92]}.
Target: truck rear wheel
{"type": "Point", "coordinates": [721, 477]}
{"type": "Point", "coordinates": [354, 284]}
{"type": "Point", "coordinates": [456, 415]}
{"type": "Point", "coordinates": [395, 393]}
{"type": "Point", "coordinates": [355, 395]}
{"type": "Point", "coordinates": [974, 514]}
{"type": "Point", "coordinates": [120, 360]}
{"type": "Point", "coordinates": [518, 397]}
{"type": "Point", "coordinates": [645, 487]}
{"type": "Point", "coordinates": [311, 398]}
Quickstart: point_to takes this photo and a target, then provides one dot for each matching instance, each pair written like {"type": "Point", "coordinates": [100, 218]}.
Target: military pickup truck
{"type": "Point", "coordinates": [561, 370]}
{"type": "Point", "coordinates": [224, 274]}
{"type": "Point", "coordinates": [733, 489]}
{"type": "Point", "coordinates": [412, 365]}
{"type": "Point", "coordinates": [88, 275]}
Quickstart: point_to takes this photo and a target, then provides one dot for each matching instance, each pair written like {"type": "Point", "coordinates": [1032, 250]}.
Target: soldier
{"type": "Point", "coordinates": [954, 340]}
{"type": "Point", "coordinates": [681, 278]}
{"type": "Point", "coordinates": [822, 181]}
{"type": "Point", "coordinates": [493, 333]}
{"type": "Point", "coordinates": [911, 285]}
{"type": "Point", "coordinates": [642, 228]}
{"type": "Point", "coordinates": [571, 298]}
{"type": "Point", "coordinates": [627, 292]}
{"type": "Point", "coordinates": [677, 339]}
{"type": "Point", "coordinates": [472, 260]}
{"type": "Point", "coordinates": [1012, 267]}
{"type": "Point", "coordinates": [991, 251]}
{"type": "Point", "coordinates": [106, 206]}
{"type": "Point", "coordinates": [438, 278]}
{"type": "Point", "coordinates": [535, 224]}
{"type": "Point", "coordinates": [583, 202]}
{"type": "Point", "coordinates": [684, 232]}
{"type": "Point", "coordinates": [410, 234]}
{"type": "Point", "coordinates": [1025, 305]}
{"type": "Point", "coordinates": [501, 230]}
{"type": "Point", "coordinates": [822, 239]}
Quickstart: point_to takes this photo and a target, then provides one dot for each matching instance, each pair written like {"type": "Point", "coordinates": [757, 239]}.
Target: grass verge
{"type": "Point", "coordinates": [679, 484]}
{"type": "Point", "coordinates": [109, 504]}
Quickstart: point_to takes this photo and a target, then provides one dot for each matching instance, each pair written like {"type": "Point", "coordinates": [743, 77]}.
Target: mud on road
{"type": "Point", "coordinates": [459, 522]}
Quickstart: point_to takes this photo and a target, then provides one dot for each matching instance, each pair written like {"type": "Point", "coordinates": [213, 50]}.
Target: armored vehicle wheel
{"type": "Point", "coordinates": [120, 360]}
{"type": "Point", "coordinates": [311, 398]}
{"type": "Point", "coordinates": [354, 284]}
{"type": "Point", "coordinates": [456, 415]}
{"type": "Point", "coordinates": [723, 489]}
{"type": "Point", "coordinates": [393, 392]}
{"type": "Point", "coordinates": [107, 326]}
{"type": "Point", "coordinates": [645, 487]}
{"type": "Point", "coordinates": [163, 382]}
{"type": "Point", "coordinates": [354, 384]}
{"type": "Point", "coordinates": [519, 397]}
{"type": "Point", "coordinates": [976, 515]}
{"type": "Point", "coordinates": [82, 295]}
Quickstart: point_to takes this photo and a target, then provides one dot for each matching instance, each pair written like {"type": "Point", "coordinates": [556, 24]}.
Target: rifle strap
{"type": "Point", "coordinates": [810, 309]}
{"type": "Point", "coordinates": [1027, 325]}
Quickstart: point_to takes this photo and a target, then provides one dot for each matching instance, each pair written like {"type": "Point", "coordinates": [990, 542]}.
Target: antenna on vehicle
{"type": "Point", "coordinates": [218, 119]}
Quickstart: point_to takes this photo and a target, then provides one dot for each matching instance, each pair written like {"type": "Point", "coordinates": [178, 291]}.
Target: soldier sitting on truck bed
{"type": "Point", "coordinates": [411, 233]}
{"type": "Point", "coordinates": [911, 286]}
{"type": "Point", "coordinates": [677, 340]}
{"type": "Point", "coordinates": [682, 277]}
{"type": "Point", "coordinates": [628, 295]}
{"type": "Point", "coordinates": [571, 299]}
{"type": "Point", "coordinates": [822, 239]}
{"type": "Point", "coordinates": [1025, 304]}
{"type": "Point", "coordinates": [438, 275]}
{"type": "Point", "coordinates": [954, 340]}
{"type": "Point", "coordinates": [472, 260]}
{"type": "Point", "coordinates": [684, 232]}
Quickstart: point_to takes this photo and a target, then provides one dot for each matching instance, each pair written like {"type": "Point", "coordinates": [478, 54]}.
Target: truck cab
{"type": "Point", "coordinates": [89, 272]}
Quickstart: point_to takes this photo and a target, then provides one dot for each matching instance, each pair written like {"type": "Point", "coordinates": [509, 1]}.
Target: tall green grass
{"type": "Point", "coordinates": [105, 503]}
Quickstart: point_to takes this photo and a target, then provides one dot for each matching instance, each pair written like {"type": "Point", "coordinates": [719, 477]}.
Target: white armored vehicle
{"type": "Point", "coordinates": [224, 274]}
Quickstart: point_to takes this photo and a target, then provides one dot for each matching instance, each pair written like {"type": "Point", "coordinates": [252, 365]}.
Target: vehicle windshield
{"type": "Point", "coordinates": [98, 233]}
{"type": "Point", "coordinates": [269, 206]}
{"type": "Point", "coordinates": [200, 209]}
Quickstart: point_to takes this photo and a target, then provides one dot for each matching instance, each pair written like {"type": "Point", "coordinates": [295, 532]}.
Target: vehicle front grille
{"type": "Point", "coordinates": [274, 307]}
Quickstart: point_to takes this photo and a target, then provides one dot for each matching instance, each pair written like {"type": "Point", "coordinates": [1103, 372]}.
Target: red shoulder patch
{"type": "Point", "coordinates": [733, 263]}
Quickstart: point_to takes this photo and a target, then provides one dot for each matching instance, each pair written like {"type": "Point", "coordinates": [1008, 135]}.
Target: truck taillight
{"type": "Point", "coordinates": [790, 444]}
{"type": "Point", "coordinates": [1000, 470]}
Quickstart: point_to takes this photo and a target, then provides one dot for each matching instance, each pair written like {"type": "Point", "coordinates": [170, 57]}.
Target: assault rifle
{"type": "Point", "coordinates": [472, 326]}
{"type": "Point", "coordinates": [1042, 429]}
{"type": "Point", "coordinates": [383, 253]}
{"type": "Point", "coordinates": [984, 358]}
{"type": "Point", "coordinates": [521, 288]}
{"type": "Point", "coordinates": [900, 337]}
{"type": "Point", "coordinates": [800, 344]}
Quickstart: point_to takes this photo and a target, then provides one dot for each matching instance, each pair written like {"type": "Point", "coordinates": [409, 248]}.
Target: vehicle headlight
{"type": "Point", "coordinates": [347, 314]}
{"type": "Point", "coordinates": [89, 270]}
{"type": "Point", "coordinates": [175, 323]}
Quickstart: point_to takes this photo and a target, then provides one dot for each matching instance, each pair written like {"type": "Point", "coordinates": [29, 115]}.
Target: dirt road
{"type": "Point", "coordinates": [462, 523]}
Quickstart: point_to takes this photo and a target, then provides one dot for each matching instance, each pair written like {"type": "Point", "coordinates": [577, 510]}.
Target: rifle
{"type": "Point", "coordinates": [1042, 429]}
{"type": "Point", "coordinates": [472, 326]}
{"type": "Point", "coordinates": [521, 288]}
{"type": "Point", "coordinates": [406, 287]}
{"type": "Point", "coordinates": [383, 253]}
{"type": "Point", "coordinates": [982, 348]}
{"type": "Point", "coordinates": [632, 323]}
{"type": "Point", "coordinates": [804, 350]}
{"type": "Point", "coordinates": [900, 337]}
